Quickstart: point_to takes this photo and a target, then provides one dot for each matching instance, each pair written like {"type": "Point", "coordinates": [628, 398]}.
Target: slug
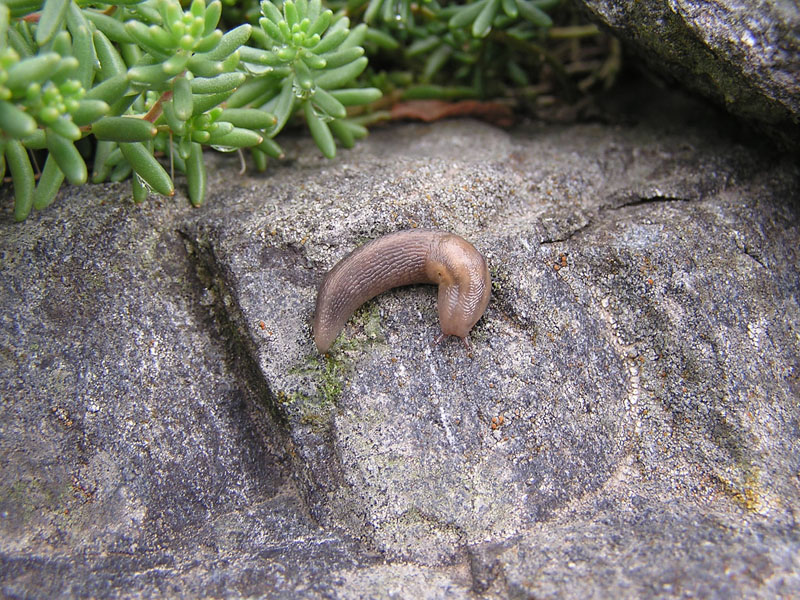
{"type": "Point", "coordinates": [405, 258]}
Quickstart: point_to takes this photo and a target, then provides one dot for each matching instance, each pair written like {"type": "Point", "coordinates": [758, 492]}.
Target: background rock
{"type": "Point", "coordinates": [626, 424]}
{"type": "Point", "coordinates": [744, 56]}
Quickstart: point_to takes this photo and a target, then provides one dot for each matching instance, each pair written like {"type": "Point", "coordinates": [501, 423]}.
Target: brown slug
{"type": "Point", "coordinates": [404, 258]}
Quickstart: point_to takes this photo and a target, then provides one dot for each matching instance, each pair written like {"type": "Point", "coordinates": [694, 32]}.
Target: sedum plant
{"type": "Point", "coordinates": [150, 78]}
{"type": "Point", "coordinates": [475, 49]}
{"type": "Point", "coordinates": [305, 58]}
{"type": "Point", "coordinates": [141, 88]}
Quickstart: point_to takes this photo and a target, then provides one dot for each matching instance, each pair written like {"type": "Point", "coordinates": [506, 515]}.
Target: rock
{"type": "Point", "coordinates": [632, 545]}
{"type": "Point", "coordinates": [742, 55]}
{"type": "Point", "coordinates": [626, 424]}
{"type": "Point", "coordinates": [137, 461]}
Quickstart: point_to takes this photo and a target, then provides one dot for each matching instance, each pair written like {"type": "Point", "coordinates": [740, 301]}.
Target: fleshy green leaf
{"type": "Point", "coordinates": [303, 75]}
{"type": "Point", "coordinates": [206, 102]}
{"type": "Point", "coordinates": [15, 122]}
{"type": "Point", "coordinates": [344, 134]}
{"type": "Point", "coordinates": [483, 23]}
{"type": "Point", "coordinates": [111, 62]}
{"type": "Point", "coordinates": [102, 165]}
{"type": "Point", "coordinates": [196, 175]}
{"type": "Point", "coordinates": [38, 69]}
{"type": "Point", "coordinates": [177, 126]}
{"type": "Point", "coordinates": [147, 167]}
{"type": "Point", "coordinates": [284, 105]}
{"type": "Point", "coordinates": [236, 138]}
{"type": "Point", "coordinates": [51, 20]}
{"type": "Point", "coordinates": [343, 56]}
{"type": "Point", "coordinates": [435, 62]}
{"type": "Point", "coordinates": [381, 38]}
{"type": "Point", "coordinates": [466, 15]}
{"type": "Point", "coordinates": [35, 141]}
{"type": "Point", "coordinates": [355, 96]}
{"type": "Point", "coordinates": [124, 129]}
{"type": "Point", "coordinates": [203, 67]}
{"type": "Point", "coordinates": [175, 64]}
{"type": "Point", "coordinates": [89, 111]}
{"type": "Point", "coordinates": [534, 14]}
{"type": "Point", "coordinates": [121, 172]}
{"type": "Point", "coordinates": [209, 43]}
{"type": "Point", "coordinates": [230, 42]}
{"type": "Point", "coordinates": [249, 118]}
{"type": "Point", "coordinates": [271, 148]}
{"type": "Point", "coordinates": [138, 189]}
{"type": "Point", "coordinates": [148, 74]}
{"type": "Point", "coordinates": [220, 83]}
{"type": "Point", "coordinates": [328, 104]}
{"type": "Point", "coordinates": [49, 184]}
{"type": "Point", "coordinates": [20, 8]}
{"type": "Point", "coordinates": [141, 34]}
{"type": "Point", "coordinates": [260, 159]}
{"type": "Point", "coordinates": [373, 10]}
{"type": "Point", "coordinates": [290, 12]}
{"type": "Point", "coordinates": [271, 29]}
{"type": "Point", "coordinates": [66, 68]}
{"type": "Point", "coordinates": [510, 8]}
{"type": "Point", "coordinates": [424, 46]}
{"type": "Point", "coordinates": [211, 17]}
{"type": "Point", "coordinates": [67, 156]}
{"type": "Point", "coordinates": [111, 27]}
{"type": "Point", "coordinates": [355, 36]}
{"type": "Point", "coordinates": [64, 127]}
{"type": "Point", "coordinates": [110, 90]}
{"type": "Point", "coordinates": [340, 76]}
{"type": "Point", "coordinates": [82, 44]}
{"type": "Point", "coordinates": [322, 23]}
{"type": "Point", "coordinates": [319, 131]}
{"type": "Point", "coordinates": [271, 11]}
{"type": "Point", "coordinates": [19, 165]}
{"type": "Point", "coordinates": [332, 40]}
{"type": "Point", "coordinates": [182, 98]}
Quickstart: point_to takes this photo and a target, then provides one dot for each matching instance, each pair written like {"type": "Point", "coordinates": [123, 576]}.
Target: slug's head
{"type": "Point", "coordinates": [464, 284]}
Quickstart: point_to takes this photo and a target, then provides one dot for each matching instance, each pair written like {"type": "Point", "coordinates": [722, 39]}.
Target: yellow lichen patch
{"type": "Point", "coordinates": [746, 494]}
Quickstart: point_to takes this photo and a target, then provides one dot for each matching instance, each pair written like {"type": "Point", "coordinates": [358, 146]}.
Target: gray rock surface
{"type": "Point", "coordinates": [136, 459]}
{"type": "Point", "coordinates": [744, 56]}
{"type": "Point", "coordinates": [626, 425]}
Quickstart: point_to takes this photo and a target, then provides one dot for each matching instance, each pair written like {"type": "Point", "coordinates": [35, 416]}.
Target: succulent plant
{"type": "Point", "coordinates": [144, 78]}
{"type": "Point", "coordinates": [142, 87]}
{"type": "Point", "coordinates": [306, 58]}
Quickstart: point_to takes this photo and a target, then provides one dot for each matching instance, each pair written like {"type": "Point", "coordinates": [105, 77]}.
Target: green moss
{"type": "Point", "coordinates": [327, 373]}
{"type": "Point", "coordinates": [369, 317]}
{"type": "Point", "coordinates": [499, 277]}
{"type": "Point", "coordinates": [330, 380]}
{"type": "Point", "coordinates": [23, 500]}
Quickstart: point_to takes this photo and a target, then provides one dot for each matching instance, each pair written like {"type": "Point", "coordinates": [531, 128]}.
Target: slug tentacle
{"type": "Point", "coordinates": [405, 258]}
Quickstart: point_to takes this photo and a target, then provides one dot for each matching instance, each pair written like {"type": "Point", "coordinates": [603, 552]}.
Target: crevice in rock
{"type": "Point", "coordinates": [751, 252]}
{"type": "Point", "coordinates": [657, 199]}
{"type": "Point", "coordinates": [754, 256]}
{"type": "Point", "coordinates": [241, 352]}
{"type": "Point", "coordinates": [567, 235]}
{"type": "Point", "coordinates": [240, 349]}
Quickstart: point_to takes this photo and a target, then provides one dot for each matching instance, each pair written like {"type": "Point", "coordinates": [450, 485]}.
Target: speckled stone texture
{"type": "Point", "coordinates": [625, 426]}
{"type": "Point", "coordinates": [742, 55]}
